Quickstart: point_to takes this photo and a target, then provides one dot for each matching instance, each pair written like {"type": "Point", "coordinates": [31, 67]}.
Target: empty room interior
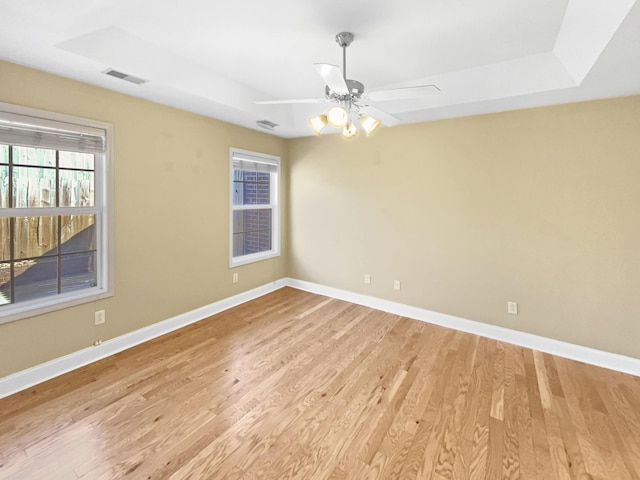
{"type": "Point", "coordinates": [393, 240]}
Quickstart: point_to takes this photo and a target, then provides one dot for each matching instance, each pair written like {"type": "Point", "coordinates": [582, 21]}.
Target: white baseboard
{"type": "Point", "coordinates": [32, 376]}
{"type": "Point", "coordinates": [588, 355]}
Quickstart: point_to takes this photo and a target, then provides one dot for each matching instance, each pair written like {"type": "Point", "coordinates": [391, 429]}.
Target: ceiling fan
{"type": "Point", "coordinates": [352, 107]}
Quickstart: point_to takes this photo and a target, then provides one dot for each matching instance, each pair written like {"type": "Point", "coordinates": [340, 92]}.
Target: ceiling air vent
{"type": "Point", "coordinates": [266, 124]}
{"type": "Point", "coordinates": [125, 76]}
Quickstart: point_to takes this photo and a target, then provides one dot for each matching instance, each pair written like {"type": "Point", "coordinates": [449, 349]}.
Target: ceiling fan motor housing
{"type": "Point", "coordinates": [356, 89]}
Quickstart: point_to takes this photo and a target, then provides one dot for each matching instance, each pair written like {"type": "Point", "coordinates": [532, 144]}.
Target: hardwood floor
{"type": "Point", "coordinates": [298, 386]}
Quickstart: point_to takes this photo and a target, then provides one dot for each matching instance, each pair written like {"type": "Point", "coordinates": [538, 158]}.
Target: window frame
{"type": "Point", "coordinates": [274, 206]}
{"type": "Point", "coordinates": [103, 211]}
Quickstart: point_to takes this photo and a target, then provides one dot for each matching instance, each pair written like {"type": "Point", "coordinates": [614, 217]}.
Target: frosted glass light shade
{"type": "Point", "coordinates": [369, 124]}
{"type": "Point", "coordinates": [337, 116]}
{"type": "Point", "coordinates": [318, 123]}
{"type": "Point", "coordinates": [350, 130]}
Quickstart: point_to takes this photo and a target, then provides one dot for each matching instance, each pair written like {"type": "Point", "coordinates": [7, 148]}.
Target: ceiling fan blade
{"type": "Point", "coordinates": [402, 93]}
{"type": "Point", "coordinates": [386, 118]}
{"type": "Point", "coordinates": [292, 100]}
{"type": "Point", "coordinates": [332, 77]}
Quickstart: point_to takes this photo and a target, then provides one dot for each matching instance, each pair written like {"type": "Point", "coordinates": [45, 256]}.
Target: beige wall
{"type": "Point", "coordinates": [537, 206]}
{"type": "Point", "coordinates": [171, 216]}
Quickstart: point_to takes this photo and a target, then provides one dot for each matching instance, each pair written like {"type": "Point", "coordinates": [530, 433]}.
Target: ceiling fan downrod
{"type": "Point", "coordinates": [355, 88]}
{"type": "Point", "coordinates": [344, 39]}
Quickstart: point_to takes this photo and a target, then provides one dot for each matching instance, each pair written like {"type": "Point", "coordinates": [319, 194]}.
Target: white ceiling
{"type": "Point", "coordinates": [217, 57]}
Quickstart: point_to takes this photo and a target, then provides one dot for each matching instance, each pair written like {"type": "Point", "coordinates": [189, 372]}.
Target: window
{"type": "Point", "coordinates": [254, 207]}
{"type": "Point", "coordinates": [54, 198]}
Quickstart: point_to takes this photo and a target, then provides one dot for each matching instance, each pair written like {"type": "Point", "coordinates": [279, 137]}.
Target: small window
{"type": "Point", "coordinates": [53, 212]}
{"type": "Point", "coordinates": [254, 210]}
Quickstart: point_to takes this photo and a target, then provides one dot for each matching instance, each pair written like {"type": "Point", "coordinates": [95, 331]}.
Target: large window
{"type": "Point", "coordinates": [254, 207]}
{"type": "Point", "coordinates": [54, 190]}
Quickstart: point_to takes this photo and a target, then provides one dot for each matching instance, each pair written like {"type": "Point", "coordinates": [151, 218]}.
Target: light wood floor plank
{"type": "Point", "coordinates": [294, 385]}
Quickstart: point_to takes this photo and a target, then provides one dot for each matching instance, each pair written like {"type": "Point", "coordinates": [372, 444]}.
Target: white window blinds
{"type": "Point", "coordinates": [22, 130]}
{"type": "Point", "coordinates": [245, 161]}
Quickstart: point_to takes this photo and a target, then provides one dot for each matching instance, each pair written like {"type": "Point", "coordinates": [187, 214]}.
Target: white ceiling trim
{"type": "Point", "coordinates": [588, 26]}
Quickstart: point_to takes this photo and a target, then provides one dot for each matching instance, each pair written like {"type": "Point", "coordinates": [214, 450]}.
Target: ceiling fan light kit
{"type": "Point", "coordinates": [351, 109]}
{"type": "Point", "coordinates": [345, 92]}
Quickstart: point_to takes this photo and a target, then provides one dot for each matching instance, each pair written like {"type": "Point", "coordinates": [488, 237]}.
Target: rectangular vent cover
{"type": "Point", "coordinates": [124, 76]}
{"type": "Point", "coordinates": [266, 124]}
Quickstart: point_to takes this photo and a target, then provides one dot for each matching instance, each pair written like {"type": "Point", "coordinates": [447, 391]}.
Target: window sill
{"type": "Point", "coordinates": [19, 311]}
{"type": "Point", "coordinates": [254, 257]}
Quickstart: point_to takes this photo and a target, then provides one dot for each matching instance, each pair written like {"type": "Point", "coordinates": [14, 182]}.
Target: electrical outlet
{"type": "Point", "coordinates": [99, 317]}
{"type": "Point", "coordinates": [512, 308]}
{"type": "Point", "coordinates": [235, 278]}
{"type": "Point", "coordinates": [367, 279]}
{"type": "Point", "coordinates": [396, 284]}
